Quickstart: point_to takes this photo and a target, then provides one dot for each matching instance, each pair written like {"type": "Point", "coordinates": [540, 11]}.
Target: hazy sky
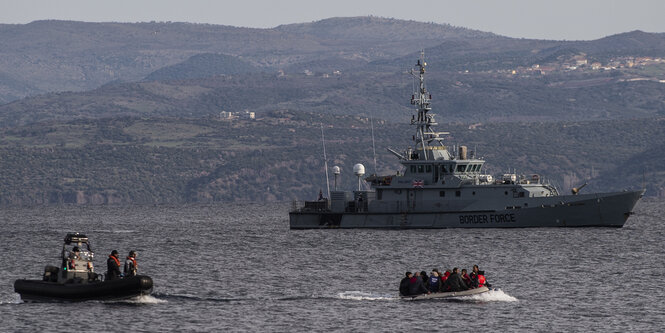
{"type": "Point", "coordinates": [553, 19]}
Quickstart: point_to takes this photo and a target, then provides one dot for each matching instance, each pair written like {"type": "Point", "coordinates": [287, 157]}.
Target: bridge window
{"type": "Point", "coordinates": [458, 193]}
{"type": "Point", "coordinates": [428, 168]}
{"type": "Point", "coordinates": [461, 168]}
{"type": "Point", "coordinates": [413, 169]}
{"type": "Point", "coordinates": [421, 168]}
{"type": "Point", "coordinates": [442, 193]}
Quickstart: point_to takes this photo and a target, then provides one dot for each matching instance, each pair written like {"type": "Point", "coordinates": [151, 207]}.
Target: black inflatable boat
{"type": "Point", "coordinates": [75, 279]}
{"type": "Point", "coordinates": [46, 291]}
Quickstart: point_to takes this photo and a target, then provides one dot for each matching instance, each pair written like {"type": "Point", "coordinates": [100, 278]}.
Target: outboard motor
{"type": "Point", "coordinates": [50, 274]}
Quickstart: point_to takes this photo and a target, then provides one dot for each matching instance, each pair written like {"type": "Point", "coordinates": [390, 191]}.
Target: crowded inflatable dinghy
{"type": "Point", "coordinates": [449, 284]}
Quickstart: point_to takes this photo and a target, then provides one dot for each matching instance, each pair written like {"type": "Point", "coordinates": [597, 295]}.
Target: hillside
{"type": "Point", "coordinates": [349, 66]}
{"type": "Point", "coordinates": [279, 157]}
{"type": "Point", "coordinates": [56, 56]}
{"type": "Point", "coordinates": [379, 28]}
{"type": "Point", "coordinates": [202, 66]}
{"type": "Point", "coordinates": [463, 97]}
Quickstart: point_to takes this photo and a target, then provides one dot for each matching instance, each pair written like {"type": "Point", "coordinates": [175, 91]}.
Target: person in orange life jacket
{"type": "Point", "coordinates": [73, 256]}
{"type": "Point", "coordinates": [482, 281]}
{"type": "Point", "coordinates": [434, 284]}
{"type": "Point", "coordinates": [404, 284]}
{"type": "Point", "coordinates": [474, 277]}
{"type": "Point", "coordinates": [113, 266]}
{"type": "Point", "coordinates": [466, 278]}
{"type": "Point", "coordinates": [130, 264]}
{"type": "Point", "coordinates": [416, 285]}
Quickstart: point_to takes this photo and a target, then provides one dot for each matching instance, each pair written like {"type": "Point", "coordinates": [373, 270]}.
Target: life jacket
{"type": "Point", "coordinates": [72, 261]}
{"type": "Point", "coordinates": [481, 280]}
{"type": "Point", "coordinates": [445, 277]}
{"type": "Point", "coordinates": [133, 260]}
{"type": "Point", "coordinates": [130, 266]}
{"type": "Point", "coordinates": [117, 262]}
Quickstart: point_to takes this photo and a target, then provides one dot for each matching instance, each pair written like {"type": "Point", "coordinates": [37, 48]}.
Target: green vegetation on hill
{"type": "Point", "coordinates": [463, 97]}
{"type": "Point", "coordinates": [167, 160]}
{"type": "Point", "coordinates": [57, 56]}
{"type": "Point", "coordinates": [201, 66]}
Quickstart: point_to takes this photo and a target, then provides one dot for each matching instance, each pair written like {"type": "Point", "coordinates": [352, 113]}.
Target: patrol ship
{"type": "Point", "coordinates": [440, 188]}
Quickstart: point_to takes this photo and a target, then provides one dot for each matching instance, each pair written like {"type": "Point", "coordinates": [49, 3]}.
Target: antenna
{"type": "Point", "coordinates": [371, 121]}
{"type": "Point", "coordinates": [336, 172]}
{"type": "Point", "coordinates": [325, 160]}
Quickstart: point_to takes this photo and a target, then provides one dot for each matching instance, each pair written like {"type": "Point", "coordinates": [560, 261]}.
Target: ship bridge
{"type": "Point", "coordinates": [434, 171]}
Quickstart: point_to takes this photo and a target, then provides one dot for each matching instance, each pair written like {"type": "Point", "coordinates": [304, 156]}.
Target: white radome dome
{"type": "Point", "coordinates": [359, 169]}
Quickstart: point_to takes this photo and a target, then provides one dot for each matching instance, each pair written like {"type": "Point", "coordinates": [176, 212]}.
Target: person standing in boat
{"type": "Point", "coordinates": [113, 266]}
{"type": "Point", "coordinates": [130, 264]}
{"type": "Point", "coordinates": [73, 257]}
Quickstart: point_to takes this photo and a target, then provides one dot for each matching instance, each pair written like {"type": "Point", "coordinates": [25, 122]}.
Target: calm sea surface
{"type": "Point", "coordinates": [239, 267]}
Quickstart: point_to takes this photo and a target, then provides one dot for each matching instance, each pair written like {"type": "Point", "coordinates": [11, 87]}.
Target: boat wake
{"type": "Point", "coordinates": [365, 296]}
{"type": "Point", "coordinates": [8, 300]}
{"type": "Point", "coordinates": [494, 295]}
{"type": "Point", "coordinates": [187, 298]}
{"type": "Point", "coordinates": [119, 231]}
{"type": "Point", "coordinates": [145, 299]}
{"type": "Point", "coordinates": [138, 300]}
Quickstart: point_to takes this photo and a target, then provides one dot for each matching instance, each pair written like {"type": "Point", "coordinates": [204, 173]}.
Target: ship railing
{"type": "Point", "coordinates": [318, 205]}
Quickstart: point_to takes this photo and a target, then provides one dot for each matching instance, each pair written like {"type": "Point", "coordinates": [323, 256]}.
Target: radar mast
{"type": "Point", "coordinates": [428, 143]}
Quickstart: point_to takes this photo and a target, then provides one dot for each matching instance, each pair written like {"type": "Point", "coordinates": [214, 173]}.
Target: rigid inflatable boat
{"type": "Point", "coordinates": [75, 279]}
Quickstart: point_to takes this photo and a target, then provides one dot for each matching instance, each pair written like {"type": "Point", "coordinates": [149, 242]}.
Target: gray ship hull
{"type": "Point", "coordinates": [589, 210]}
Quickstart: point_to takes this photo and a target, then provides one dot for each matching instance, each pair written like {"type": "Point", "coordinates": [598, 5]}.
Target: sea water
{"type": "Point", "coordinates": [238, 267]}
